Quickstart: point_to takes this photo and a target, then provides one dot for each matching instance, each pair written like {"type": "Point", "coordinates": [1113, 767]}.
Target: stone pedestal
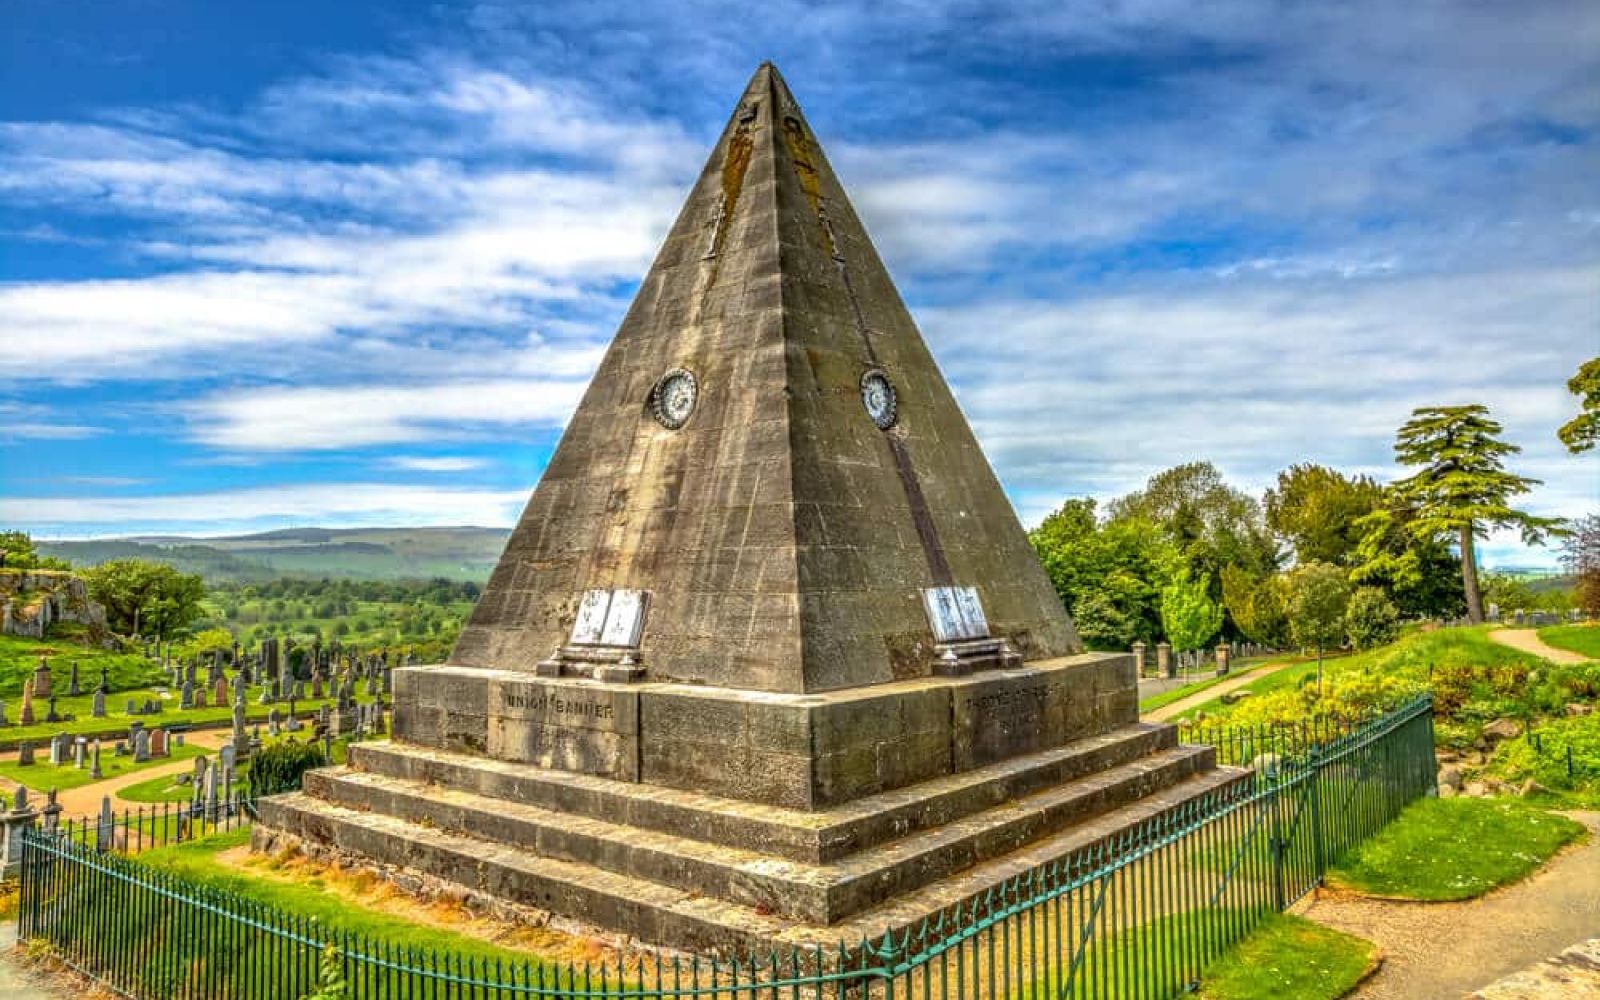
{"type": "Point", "coordinates": [1222, 660]}
{"type": "Point", "coordinates": [1164, 662]}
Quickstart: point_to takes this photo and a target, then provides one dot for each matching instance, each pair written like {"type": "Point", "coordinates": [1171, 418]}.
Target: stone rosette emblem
{"type": "Point", "coordinates": [878, 396]}
{"type": "Point", "coordinates": [674, 397]}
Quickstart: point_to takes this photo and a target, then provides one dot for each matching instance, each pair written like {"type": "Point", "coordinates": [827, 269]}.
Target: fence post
{"type": "Point", "coordinates": [1319, 850]}
{"type": "Point", "coordinates": [1275, 802]}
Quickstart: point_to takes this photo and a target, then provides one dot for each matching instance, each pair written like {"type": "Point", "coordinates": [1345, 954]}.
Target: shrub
{"type": "Point", "coordinates": [1371, 619]}
{"type": "Point", "coordinates": [280, 766]}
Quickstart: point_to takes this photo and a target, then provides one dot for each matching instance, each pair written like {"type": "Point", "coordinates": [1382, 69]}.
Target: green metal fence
{"type": "Point", "coordinates": [1139, 915]}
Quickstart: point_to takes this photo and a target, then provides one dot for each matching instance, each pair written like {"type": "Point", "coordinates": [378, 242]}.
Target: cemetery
{"type": "Point", "coordinates": [523, 520]}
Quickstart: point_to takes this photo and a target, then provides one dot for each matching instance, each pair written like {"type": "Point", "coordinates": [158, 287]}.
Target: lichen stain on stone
{"type": "Point", "coordinates": [734, 165]}
{"type": "Point", "coordinates": [794, 136]}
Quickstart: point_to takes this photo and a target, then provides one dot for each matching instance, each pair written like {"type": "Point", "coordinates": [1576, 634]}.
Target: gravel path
{"type": "Point", "coordinates": [1167, 713]}
{"type": "Point", "coordinates": [17, 983]}
{"type": "Point", "coordinates": [1446, 950]}
{"type": "Point", "coordinates": [1527, 640]}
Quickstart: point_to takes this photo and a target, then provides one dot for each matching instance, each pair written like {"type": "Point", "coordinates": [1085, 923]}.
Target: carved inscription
{"type": "Point", "coordinates": [550, 702]}
{"type": "Point", "coordinates": [1030, 699]}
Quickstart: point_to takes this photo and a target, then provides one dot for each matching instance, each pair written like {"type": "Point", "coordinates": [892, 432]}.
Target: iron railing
{"type": "Point", "coordinates": [1137, 915]}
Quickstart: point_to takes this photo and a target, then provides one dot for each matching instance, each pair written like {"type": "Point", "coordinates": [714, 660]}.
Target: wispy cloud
{"type": "Point", "coordinates": [436, 463]}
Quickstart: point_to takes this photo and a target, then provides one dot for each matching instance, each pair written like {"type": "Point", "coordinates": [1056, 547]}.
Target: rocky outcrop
{"type": "Point", "coordinates": [31, 600]}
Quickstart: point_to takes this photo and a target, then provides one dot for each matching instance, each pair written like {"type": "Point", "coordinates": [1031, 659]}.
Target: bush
{"type": "Point", "coordinates": [1371, 619]}
{"type": "Point", "coordinates": [280, 766]}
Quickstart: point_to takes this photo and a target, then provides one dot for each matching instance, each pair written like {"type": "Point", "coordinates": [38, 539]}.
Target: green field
{"type": "Point", "coordinates": [43, 776]}
{"type": "Point", "coordinates": [1583, 639]}
{"type": "Point", "coordinates": [1444, 849]}
{"type": "Point", "coordinates": [1289, 956]}
{"type": "Point", "coordinates": [19, 657]}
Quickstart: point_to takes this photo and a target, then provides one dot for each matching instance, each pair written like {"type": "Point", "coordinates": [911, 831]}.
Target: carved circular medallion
{"type": "Point", "coordinates": [673, 398]}
{"type": "Point", "coordinates": [877, 394]}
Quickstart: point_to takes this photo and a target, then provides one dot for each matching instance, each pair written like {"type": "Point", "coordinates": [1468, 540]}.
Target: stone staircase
{"type": "Point", "coordinates": [691, 870]}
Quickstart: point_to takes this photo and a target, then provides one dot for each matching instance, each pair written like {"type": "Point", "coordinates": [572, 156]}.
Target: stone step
{"type": "Point", "coordinates": [820, 836]}
{"type": "Point", "coordinates": [668, 915]}
{"type": "Point", "coordinates": [816, 892]}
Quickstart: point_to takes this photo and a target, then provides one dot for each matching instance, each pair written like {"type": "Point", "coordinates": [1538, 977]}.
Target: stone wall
{"type": "Point", "coordinates": [31, 600]}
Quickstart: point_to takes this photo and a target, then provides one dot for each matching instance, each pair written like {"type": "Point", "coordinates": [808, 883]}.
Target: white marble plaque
{"type": "Point", "coordinates": [972, 616]}
{"type": "Point", "coordinates": [625, 620]}
{"type": "Point", "coordinates": [944, 613]}
{"type": "Point", "coordinates": [590, 626]}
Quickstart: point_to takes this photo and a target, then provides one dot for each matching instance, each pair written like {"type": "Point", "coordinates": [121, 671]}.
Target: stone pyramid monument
{"type": "Point", "coordinates": [768, 658]}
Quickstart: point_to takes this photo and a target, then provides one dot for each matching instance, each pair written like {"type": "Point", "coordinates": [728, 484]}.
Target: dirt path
{"type": "Point", "coordinates": [1171, 711]}
{"type": "Point", "coordinates": [85, 799]}
{"type": "Point", "coordinates": [1450, 949]}
{"type": "Point", "coordinates": [1528, 641]}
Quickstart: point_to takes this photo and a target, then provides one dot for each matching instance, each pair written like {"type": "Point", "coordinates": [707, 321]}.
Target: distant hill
{"type": "Point", "coordinates": [456, 553]}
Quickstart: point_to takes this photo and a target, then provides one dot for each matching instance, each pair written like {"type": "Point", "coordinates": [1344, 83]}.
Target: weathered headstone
{"type": "Point", "coordinates": [25, 716]}
{"type": "Point", "coordinates": [274, 721]}
{"type": "Point", "coordinates": [219, 691]}
{"type": "Point", "coordinates": [141, 745]}
{"type": "Point", "coordinates": [41, 679]}
{"type": "Point", "coordinates": [72, 681]}
{"type": "Point", "coordinates": [25, 754]}
{"type": "Point", "coordinates": [186, 699]}
{"type": "Point", "coordinates": [52, 713]}
{"type": "Point", "coordinates": [158, 742]}
{"type": "Point", "coordinates": [60, 749]}
{"type": "Point", "coordinates": [96, 773]}
{"type": "Point", "coordinates": [80, 751]}
{"type": "Point", "coordinates": [97, 707]}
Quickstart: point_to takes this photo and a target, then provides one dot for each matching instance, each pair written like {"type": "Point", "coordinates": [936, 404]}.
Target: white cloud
{"type": "Point", "coordinates": [436, 463]}
{"type": "Point", "coordinates": [326, 419]}
{"type": "Point", "coordinates": [300, 503]}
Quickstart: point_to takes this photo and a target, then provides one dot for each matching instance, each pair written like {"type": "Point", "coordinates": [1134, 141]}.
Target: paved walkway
{"type": "Point", "coordinates": [1573, 973]}
{"type": "Point", "coordinates": [1446, 950]}
{"type": "Point", "coordinates": [1173, 710]}
{"type": "Point", "coordinates": [17, 983]}
{"type": "Point", "coordinates": [1527, 640]}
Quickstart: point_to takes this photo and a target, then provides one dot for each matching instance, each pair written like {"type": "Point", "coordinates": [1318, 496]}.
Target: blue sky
{"type": "Point", "coordinates": [340, 264]}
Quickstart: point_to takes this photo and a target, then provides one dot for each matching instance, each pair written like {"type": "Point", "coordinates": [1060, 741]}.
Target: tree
{"type": "Point", "coordinates": [1371, 619]}
{"type": "Point", "coordinates": [1418, 572]}
{"type": "Point", "coordinates": [1188, 614]}
{"type": "Point", "coordinates": [1582, 432]}
{"type": "Point", "coordinates": [1318, 511]}
{"type": "Point", "coordinates": [1211, 524]}
{"type": "Point", "coordinates": [1125, 563]}
{"type": "Point", "coordinates": [1581, 555]}
{"type": "Point", "coordinates": [17, 551]}
{"type": "Point", "coordinates": [1256, 606]}
{"type": "Point", "coordinates": [1461, 486]}
{"type": "Point", "coordinates": [145, 597]}
{"type": "Point", "coordinates": [1318, 595]}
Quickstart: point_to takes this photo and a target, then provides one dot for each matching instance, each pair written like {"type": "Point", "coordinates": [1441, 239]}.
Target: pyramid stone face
{"type": "Point", "coordinates": [783, 538]}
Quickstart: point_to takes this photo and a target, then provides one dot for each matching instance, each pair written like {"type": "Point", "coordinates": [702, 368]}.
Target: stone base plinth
{"type": "Point", "coordinates": [691, 870]}
{"type": "Point", "coordinates": [806, 751]}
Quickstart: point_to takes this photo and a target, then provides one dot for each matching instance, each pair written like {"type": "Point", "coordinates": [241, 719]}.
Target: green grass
{"type": "Point", "coordinates": [19, 657]}
{"type": "Point", "coordinates": [1447, 849]}
{"type": "Point", "coordinates": [1243, 668]}
{"type": "Point", "coordinates": [43, 776]}
{"type": "Point", "coordinates": [163, 788]}
{"type": "Point", "coordinates": [1582, 639]}
{"type": "Point", "coordinates": [1288, 956]}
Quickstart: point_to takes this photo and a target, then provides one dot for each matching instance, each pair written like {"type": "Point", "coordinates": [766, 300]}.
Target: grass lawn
{"type": "Point", "coordinates": [1583, 639]}
{"type": "Point", "coordinates": [19, 657]}
{"type": "Point", "coordinates": [1445, 849]}
{"type": "Point", "coordinates": [164, 788]}
{"type": "Point", "coordinates": [43, 776]}
{"type": "Point", "coordinates": [1288, 956]}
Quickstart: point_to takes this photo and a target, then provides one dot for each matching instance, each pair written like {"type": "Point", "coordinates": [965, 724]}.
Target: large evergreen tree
{"type": "Point", "coordinates": [1582, 432]}
{"type": "Point", "coordinates": [1461, 486]}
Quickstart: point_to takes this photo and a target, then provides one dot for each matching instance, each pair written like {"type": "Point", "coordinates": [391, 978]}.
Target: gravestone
{"type": "Point", "coordinates": [219, 691]}
{"type": "Point", "coordinates": [274, 721]}
{"type": "Point", "coordinates": [141, 745]}
{"type": "Point", "coordinates": [3, 720]}
{"type": "Point", "coordinates": [52, 714]}
{"type": "Point", "coordinates": [200, 698]}
{"type": "Point", "coordinates": [60, 749]}
{"type": "Point", "coordinates": [25, 716]}
{"type": "Point", "coordinates": [158, 742]}
{"type": "Point", "coordinates": [41, 679]}
{"type": "Point", "coordinates": [133, 707]}
{"type": "Point", "coordinates": [80, 751]}
{"type": "Point", "coordinates": [72, 681]}
{"type": "Point", "coordinates": [186, 699]}
{"type": "Point", "coordinates": [25, 754]}
{"type": "Point", "coordinates": [768, 604]}
{"type": "Point", "coordinates": [98, 704]}
{"type": "Point", "coordinates": [96, 773]}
